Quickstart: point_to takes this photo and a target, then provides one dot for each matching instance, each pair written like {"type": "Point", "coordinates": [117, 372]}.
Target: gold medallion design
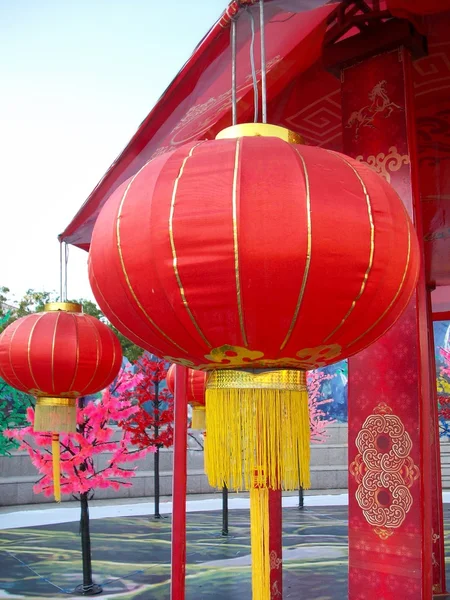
{"type": "Point", "coordinates": [232, 357]}
{"type": "Point", "coordinates": [384, 471]}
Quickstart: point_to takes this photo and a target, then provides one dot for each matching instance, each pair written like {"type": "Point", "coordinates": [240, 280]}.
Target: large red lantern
{"type": "Point", "coordinates": [196, 389]}
{"type": "Point", "coordinates": [58, 355]}
{"type": "Point", "coordinates": [256, 258]}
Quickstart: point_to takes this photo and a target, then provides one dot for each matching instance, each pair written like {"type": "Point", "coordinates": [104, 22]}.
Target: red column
{"type": "Point", "coordinates": [391, 434]}
{"type": "Point", "coordinates": [275, 544]}
{"type": "Point", "coordinates": [179, 484]}
{"type": "Point", "coordinates": [438, 549]}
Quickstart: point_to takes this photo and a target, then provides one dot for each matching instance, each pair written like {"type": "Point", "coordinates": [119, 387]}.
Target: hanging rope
{"type": "Point", "coordinates": [253, 68]}
{"type": "Point", "coordinates": [66, 261]}
{"type": "Point", "coordinates": [60, 271]}
{"type": "Point", "coordinates": [263, 62]}
{"type": "Point", "coordinates": [233, 72]}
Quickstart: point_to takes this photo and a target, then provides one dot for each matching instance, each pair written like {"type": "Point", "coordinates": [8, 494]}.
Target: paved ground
{"type": "Point", "coordinates": [131, 557]}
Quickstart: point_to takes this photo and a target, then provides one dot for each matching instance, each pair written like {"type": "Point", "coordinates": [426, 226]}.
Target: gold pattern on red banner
{"type": "Point", "coordinates": [385, 164]}
{"type": "Point", "coordinates": [384, 471]}
{"type": "Point", "coordinates": [379, 105]}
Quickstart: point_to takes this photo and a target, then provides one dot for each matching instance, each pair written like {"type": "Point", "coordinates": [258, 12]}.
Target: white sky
{"type": "Point", "coordinates": [77, 77]}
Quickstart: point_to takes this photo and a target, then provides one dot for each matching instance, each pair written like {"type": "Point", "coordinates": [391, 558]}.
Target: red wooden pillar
{"type": "Point", "coordinates": [392, 444]}
{"type": "Point", "coordinates": [438, 549]}
{"type": "Point", "coordinates": [276, 544]}
{"type": "Point", "coordinates": [179, 484]}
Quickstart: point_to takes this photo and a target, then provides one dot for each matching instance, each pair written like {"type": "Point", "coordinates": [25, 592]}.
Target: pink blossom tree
{"type": "Point", "coordinates": [152, 424]}
{"type": "Point", "coordinates": [318, 419]}
{"type": "Point", "coordinates": [81, 474]}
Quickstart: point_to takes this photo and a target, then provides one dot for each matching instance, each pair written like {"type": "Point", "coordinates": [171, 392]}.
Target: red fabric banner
{"type": "Point", "coordinates": [390, 383]}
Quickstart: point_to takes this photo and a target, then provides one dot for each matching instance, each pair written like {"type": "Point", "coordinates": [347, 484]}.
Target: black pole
{"type": "Point", "coordinates": [301, 502]}
{"type": "Point", "coordinates": [88, 588]}
{"type": "Point", "coordinates": [156, 454]}
{"type": "Point", "coordinates": [224, 510]}
{"type": "Point", "coordinates": [85, 541]}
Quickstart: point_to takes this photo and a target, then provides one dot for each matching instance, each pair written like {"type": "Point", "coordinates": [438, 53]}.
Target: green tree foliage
{"type": "Point", "coordinates": [13, 404]}
{"type": "Point", "coordinates": [130, 350]}
{"type": "Point", "coordinates": [34, 301]}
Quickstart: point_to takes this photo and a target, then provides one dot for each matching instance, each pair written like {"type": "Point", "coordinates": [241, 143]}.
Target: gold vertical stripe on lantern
{"type": "Point", "coordinates": [258, 439]}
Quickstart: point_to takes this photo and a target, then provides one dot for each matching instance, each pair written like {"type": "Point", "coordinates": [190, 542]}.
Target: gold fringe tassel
{"type": "Point", "coordinates": [198, 418]}
{"type": "Point", "coordinates": [257, 420]}
{"type": "Point", "coordinates": [55, 414]}
{"type": "Point", "coordinates": [259, 527]}
{"type": "Point", "coordinates": [56, 467]}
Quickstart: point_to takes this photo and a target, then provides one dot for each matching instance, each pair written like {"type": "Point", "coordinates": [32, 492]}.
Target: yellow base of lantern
{"type": "Point", "coordinates": [259, 529]}
{"type": "Point", "coordinates": [56, 467]}
{"type": "Point", "coordinates": [58, 415]}
{"type": "Point", "coordinates": [198, 418]}
{"type": "Point", "coordinates": [257, 421]}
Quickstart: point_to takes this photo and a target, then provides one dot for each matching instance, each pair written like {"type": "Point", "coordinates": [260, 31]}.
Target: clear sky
{"type": "Point", "coordinates": [77, 77]}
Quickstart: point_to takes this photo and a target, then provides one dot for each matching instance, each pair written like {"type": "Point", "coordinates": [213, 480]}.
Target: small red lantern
{"type": "Point", "coordinates": [58, 355]}
{"type": "Point", "coordinates": [196, 389]}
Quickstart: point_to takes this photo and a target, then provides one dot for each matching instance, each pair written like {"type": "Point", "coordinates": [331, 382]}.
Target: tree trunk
{"type": "Point", "coordinates": [156, 455]}
{"type": "Point", "coordinates": [224, 510]}
{"type": "Point", "coordinates": [88, 588]}
{"type": "Point", "coordinates": [301, 502]}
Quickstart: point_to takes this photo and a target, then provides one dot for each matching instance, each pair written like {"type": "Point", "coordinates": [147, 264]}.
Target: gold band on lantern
{"type": "Point", "coordinates": [260, 130]}
{"type": "Point", "coordinates": [73, 307]}
{"type": "Point", "coordinates": [54, 401]}
{"type": "Point", "coordinates": [283, 379]}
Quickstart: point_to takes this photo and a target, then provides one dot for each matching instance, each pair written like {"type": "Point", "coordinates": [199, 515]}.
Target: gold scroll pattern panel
{"type": "Point", "coordinates": [384, 471]}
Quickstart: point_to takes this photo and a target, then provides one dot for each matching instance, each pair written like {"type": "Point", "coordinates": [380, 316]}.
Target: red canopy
{"type": "Point", "coordinates": [302, 96]}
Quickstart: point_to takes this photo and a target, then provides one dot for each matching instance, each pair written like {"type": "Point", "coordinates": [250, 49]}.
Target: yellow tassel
{"type": "Point", "coordinates": [55, 414]}
{"type": "Point", "coordinates": [56, 467]}
{"type": "Point", "coordinates": [259, 532]}
{"type": "Point", "coordinates": [198, 418]}
{"type": "Point", "coordinates": [263, 415]}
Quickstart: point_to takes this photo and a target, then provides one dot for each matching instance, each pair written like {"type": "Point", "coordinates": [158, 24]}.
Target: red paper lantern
{"type": "Point", "coordinates": [256, 258]}
{"type": "Point", "coordinates": [253, 252]}
{"type": "Point", "coordinates": [56, 356]}
{"type": "Point", "coordinates": [196, 389]}
{"type": "Point", "coordinates": [59, 353]}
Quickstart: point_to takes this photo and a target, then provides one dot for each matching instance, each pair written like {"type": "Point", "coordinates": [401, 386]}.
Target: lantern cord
{"type": "Point", "coordinates": [263, 62]}
{"type": "Point", "coordinates": [61, 271]}
{"type": "Point", "coordinates": [253, 68]}
{"type": "Point", "coordinates": [66, 261]}
{"type": "Point", "coordinates": [63, 261]}
{"type": "Point", "coordinates": [233, 73]}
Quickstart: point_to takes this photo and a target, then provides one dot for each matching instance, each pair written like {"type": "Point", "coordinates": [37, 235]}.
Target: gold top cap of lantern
{"type": "Point", "coordinates": [260, 130]}
{"type": "Point", "coordinates": [73, 307]}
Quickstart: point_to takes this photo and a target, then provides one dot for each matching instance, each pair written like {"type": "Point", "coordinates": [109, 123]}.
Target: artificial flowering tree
{"type": "Point", "coordinates": [152, 423]}
{"type": "Point", "coordinates": [443, 390]}
{"type": "Point", "coordinates": [318, 419]}
{"type": "Point", "coordinates": [81, 470]}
